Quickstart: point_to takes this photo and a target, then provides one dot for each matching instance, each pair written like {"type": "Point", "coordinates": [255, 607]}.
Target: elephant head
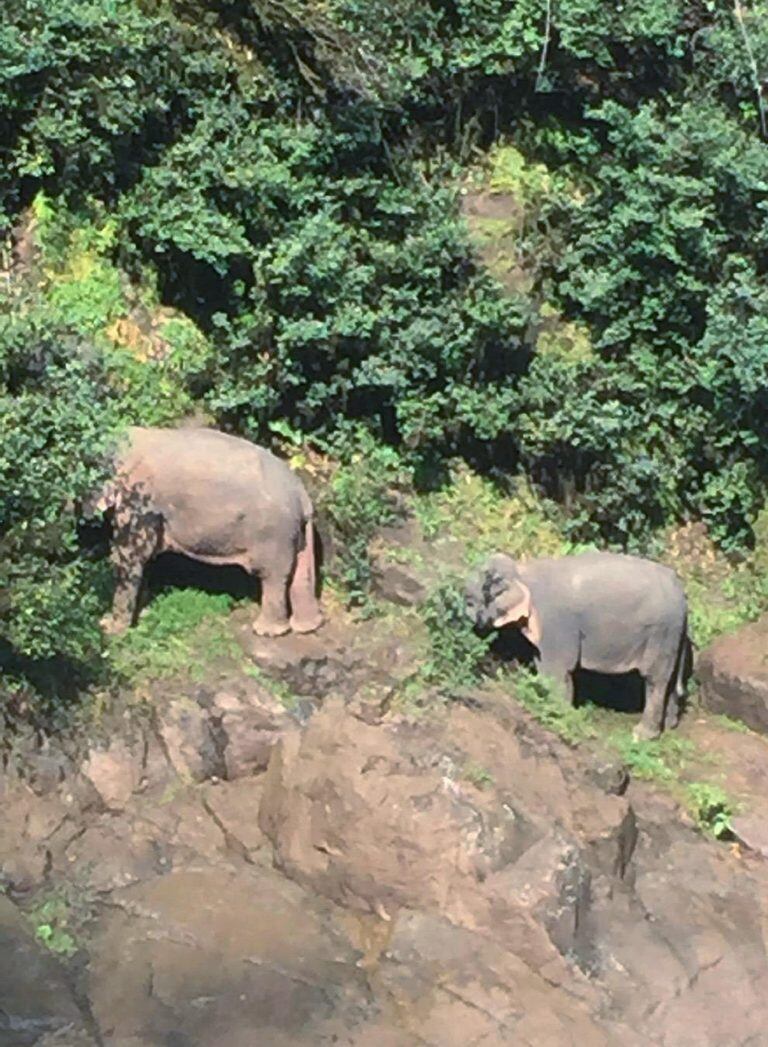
{"type": "Point", "coordinates": [498, 596]}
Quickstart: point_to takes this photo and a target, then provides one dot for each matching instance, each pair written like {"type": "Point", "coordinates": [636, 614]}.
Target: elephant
{"type": "Point", "coordinates": [604, 612]}
{"type": "Point", "coordinates": [218, 499]}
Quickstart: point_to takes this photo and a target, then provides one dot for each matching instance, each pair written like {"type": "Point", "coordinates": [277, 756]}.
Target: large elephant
{"type": "Point", "coordinates": [218, 499]}
{"type": "Point", "coordinates": [604, 612]}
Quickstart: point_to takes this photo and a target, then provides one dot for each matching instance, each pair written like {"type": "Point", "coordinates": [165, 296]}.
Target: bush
{"type": "Point", "coordinates": [56, 420]}
{"type": "Point", "coordinates": [359, 499]}
{"type": "Point", "coordinates": [456, 651]}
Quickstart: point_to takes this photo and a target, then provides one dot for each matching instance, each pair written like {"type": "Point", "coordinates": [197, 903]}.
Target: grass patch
{"type": "Point", "coordinates": [662, 760]}
{"type": "Point", "coordinates": [56, 921]}
{"type": "Point", "coordinates": [712, 808]}
{"type": "Point", "coordinates": [546, 701]}
{"type": "Point", "coordinates": [180, 634]}
{"type": "Point", "coordinates": [737, 726]}
{"type": "Point", "coordinates": [477, 775]}
{"type": "Point", "coordinates": [358, 501]}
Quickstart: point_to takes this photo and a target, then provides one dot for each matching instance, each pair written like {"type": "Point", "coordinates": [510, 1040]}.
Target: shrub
{"type": "Point", "coordinates": [359, 499]}
{"type": "Point", "coordinates": [456, 652]}
{"type": "Point", "coordinates": [712, 808]}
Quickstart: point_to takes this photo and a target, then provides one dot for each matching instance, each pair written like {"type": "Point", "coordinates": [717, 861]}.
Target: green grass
{"type": "Point", "coordinates": [662, 760]}
{"type": "Point", "coordinates": [180, 634]}
{"type": "Point", "coordinates": [477, 775]}
{"type": "Point", "coordinates": [712, 808]}
{"type": "Point", "coordinates": [51, 919]}
{"type": "Point", "coordinates": [738, 726]}
{"type": "Point", "coordinates": [546, 701]}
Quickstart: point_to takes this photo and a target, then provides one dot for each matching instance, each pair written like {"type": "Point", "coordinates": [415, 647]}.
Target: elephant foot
{"type": "Point", "coordinates": [643, 733]}
{"type": "Point", "coordinates": [112, 626]}
{"type": "Point", "coordinates": [307, 625]}
{"type": "Point", "coordinates": [263, 627]}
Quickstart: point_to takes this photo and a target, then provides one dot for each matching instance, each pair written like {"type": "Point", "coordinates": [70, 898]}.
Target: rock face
{"type": "Point", "coordinates": [114, 772]}
{"type": "Point", "coordinates": [243, 957]}
{"type": "Point", "coordinates": [539, 862]}
{"type": "Point", "coordinates": [249, 721]}
{"type": "Point", "coordinates": [35, 997]}
{"type": "Point", "coordinates": [733, 673]}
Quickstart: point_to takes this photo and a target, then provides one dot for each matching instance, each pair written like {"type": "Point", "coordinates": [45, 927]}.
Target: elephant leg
{"type": "Point", "coordinates": [672, 714]}
{"type": "Point", "coordinates": [559, 666]}
{"type": "Point", "coordinates": [652, 722]}
{"type": "Point", "coordinates": [134, 545]}
{"type": "Point", "coordinates": [273, 619]}
{"type": "Point", "coordinates": [306, 615]}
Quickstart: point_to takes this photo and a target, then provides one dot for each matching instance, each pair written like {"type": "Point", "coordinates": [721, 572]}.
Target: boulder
{"type": "Point", "coordinates": [379, 818]}
{"type": "Point", "coordinates": [453, 986]}
{"type": "Point", "coordinates": [186, 734]}
{"type": "Point", "coordinates": [554, 875]}
{"type": "Point", "coordinates": [405, 566]}
{"type": "Point", "coordinates": [234, 808]}
{"type": "Point", "coordinates": [29, 832]}
{"type": "Point", "coordinates": [751, 830]}
{"type": "Point", "coordinates": [733, 674]}
{"type": "Point", "coordinates": [250, 720]}
{"type": "Point", "coordinates": [115, 772]}
{"type": "Point", "coordinates": [242, 956]}
{"type": "Point", "coordinates": [215, 956]}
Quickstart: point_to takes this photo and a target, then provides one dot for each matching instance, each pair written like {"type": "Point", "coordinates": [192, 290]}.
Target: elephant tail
{"type": "Point", "coordinates": [307, 509]}
{"type": "Point", "coordinates": [684, 662]}
{"type": "Point", "coordinates": [308, 544]}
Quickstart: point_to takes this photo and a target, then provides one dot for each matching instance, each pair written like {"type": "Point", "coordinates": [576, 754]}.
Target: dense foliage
{"type": "Point", "coordinates": [252, 207]}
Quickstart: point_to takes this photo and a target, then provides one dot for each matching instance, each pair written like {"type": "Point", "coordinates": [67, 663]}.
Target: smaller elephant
{"type": "Point", "coordinates": [604, 612]}
{"type": "Point", "coordinates": [220, 500]}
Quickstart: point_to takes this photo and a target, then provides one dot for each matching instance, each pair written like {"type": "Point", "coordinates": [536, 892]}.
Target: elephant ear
{"type": "Point", "coordinates": [520, 609]}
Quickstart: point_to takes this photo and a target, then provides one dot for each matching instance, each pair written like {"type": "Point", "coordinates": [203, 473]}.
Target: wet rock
{"type": "Point", "coordinates": [213, 957]}
{"type": "Point", "coordinates": [251, 721]}
{"type": "Point", "coordinates": [550, 884]}
{"type": "Point", "coordinates": [68, 1036]}
{"type": "Point", "coordinates": [186, 734]}
{"type": "Point", "coordinates": [114, 772]}
{"type": "Point", "coordinates": [733, 673]}
{"type": "Point", "coordinates": [35, 997]}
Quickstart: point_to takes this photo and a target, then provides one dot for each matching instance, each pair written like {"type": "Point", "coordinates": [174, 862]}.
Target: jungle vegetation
{"type": "Point", "coordinates": [531, 235]}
